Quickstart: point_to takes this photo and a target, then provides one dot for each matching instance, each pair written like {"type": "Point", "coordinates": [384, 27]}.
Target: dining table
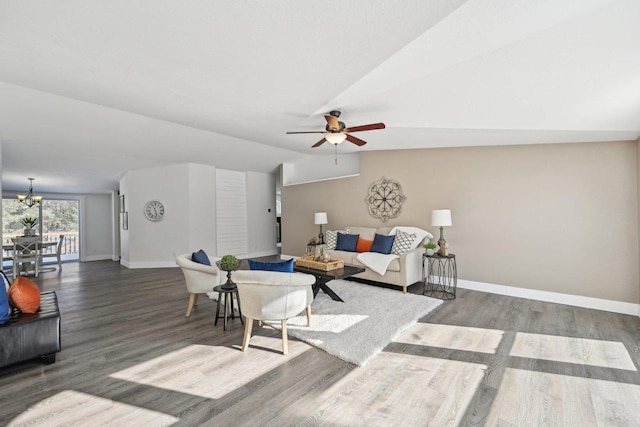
{"type": "Point", "coordinates": [7, 249]}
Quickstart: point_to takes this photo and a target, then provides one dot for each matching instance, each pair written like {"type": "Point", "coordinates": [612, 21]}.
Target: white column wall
{"type": "Point", "coordinates": [188, 192]}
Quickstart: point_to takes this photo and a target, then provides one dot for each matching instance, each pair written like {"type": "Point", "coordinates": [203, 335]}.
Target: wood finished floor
{"type": "Point", "coordinates": [130, 357]}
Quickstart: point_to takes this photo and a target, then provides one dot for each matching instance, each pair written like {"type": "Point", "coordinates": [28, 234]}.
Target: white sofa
{"type": "Point", "coordinates": [402, 272]}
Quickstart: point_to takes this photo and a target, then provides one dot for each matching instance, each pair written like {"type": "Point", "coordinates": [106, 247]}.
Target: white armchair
{"type": "Point", "coordinates": [272, 295]}
{"type": "Point", "coordinates": [200, 278]}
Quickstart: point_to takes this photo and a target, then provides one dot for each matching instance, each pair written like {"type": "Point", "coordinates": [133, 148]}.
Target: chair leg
{"type": "Point", "coordinates": [247, 333]}
{"type": "Point", "coordinates": [285, 344]}
{"type": "Point", "coordinates": [192, 300]}
{"type": "Point", "coordinates": [404, 289]}
{"type": "Point", "coordinates": [195, 300]}
{"type": "Point", "coordinates": [309, 315]}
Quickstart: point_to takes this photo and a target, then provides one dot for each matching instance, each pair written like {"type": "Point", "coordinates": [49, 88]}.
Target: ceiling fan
{"type": "Point", "coordinates": [336, 131]}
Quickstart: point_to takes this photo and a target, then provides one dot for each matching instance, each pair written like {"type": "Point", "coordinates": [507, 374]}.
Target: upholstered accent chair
{"type": "Point", "coordinates": [273, 295]}
{"type": "Point", "coordinates": [200, 278]}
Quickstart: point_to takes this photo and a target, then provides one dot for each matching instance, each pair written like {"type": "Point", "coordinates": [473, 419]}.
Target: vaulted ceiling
{"type": "Point", "coordinates": [89, 90]}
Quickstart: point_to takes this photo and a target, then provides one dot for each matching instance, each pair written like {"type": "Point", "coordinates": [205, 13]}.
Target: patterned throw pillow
{"type": "Point", "coordinates": [403, 242]}
{"type": "Point", "coordinates": [331, 238]}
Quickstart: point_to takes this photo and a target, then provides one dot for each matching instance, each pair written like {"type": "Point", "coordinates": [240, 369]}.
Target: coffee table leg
{"type": "Point", "coordinates": [327, 290]}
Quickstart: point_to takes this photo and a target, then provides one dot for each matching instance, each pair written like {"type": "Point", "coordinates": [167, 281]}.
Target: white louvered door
{"type": "Point", "coordinates": [231, 213]}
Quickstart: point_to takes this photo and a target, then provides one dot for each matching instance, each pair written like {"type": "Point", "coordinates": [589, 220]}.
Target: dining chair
{"type": "Point", "coordinates": [57, 254]}
{"type": "Point", "coordinates": [26, 251]}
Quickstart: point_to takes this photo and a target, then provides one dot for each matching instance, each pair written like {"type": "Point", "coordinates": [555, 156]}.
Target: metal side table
{"type": "Point", "coordinates": [441, 279]}
{"type": "Point", "coordinates": [229, 312]}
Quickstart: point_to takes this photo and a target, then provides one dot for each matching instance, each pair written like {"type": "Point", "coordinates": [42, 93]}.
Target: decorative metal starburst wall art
{"type": "Point", "coordinates": [385, 199]}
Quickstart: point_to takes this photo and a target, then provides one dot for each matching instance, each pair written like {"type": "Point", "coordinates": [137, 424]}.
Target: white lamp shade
{"type": "Point", "coordinates": [320, 218]}
{"type": "Point", "coordinates": [441, 218]}
{"type": "Point", "coordinates": [335, 138]}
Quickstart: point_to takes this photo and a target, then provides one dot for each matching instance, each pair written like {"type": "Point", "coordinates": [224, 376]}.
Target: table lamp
{"type": "Point", "coordinates": [441, 218]}
{"type": "Point", "coordinates": [320, 218]}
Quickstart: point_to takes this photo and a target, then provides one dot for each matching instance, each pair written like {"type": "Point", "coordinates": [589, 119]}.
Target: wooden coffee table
{"type": "Point", "coordinates": [322, 277]}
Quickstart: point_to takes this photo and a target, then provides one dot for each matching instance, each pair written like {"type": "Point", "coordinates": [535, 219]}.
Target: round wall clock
{"type": "Point", "coordinates": [154, 210]}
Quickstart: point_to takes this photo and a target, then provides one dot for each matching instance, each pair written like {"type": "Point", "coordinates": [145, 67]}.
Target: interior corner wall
{"type": "Point", "coordinates": [261, 214]}
{"type": "Point", "coordinates": [1, 228]}
{"type": "Point", "coordinates": [97, 219]}
{"type": "Point", "coordinates": [557, 217]}
{"type": "Point", "coordinates": [638, 211]}
{"type": "Point", "coordinates": [148, 244]}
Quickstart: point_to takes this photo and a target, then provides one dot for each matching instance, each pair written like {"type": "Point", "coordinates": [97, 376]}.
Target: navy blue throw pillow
{"type": "Point", "coordinates": [283, 266]}
{"type": "Point", "coordinates": [347, 242]}
{"type": "Point", "coordinates": [382, 244]}
{"type": "Point", "coordinates": [200, 257]}
{"type": "Point", "coordinates": [5, 312]}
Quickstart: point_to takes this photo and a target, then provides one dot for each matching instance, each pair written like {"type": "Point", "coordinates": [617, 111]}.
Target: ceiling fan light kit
{"type": "Point", "coordinates": [336, 131]}
{"type": "Point", "coordinates": [335, 138]}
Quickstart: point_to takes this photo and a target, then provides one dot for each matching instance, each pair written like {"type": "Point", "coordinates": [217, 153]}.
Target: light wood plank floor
{"type": "Point", "coordinates": [130, 357]}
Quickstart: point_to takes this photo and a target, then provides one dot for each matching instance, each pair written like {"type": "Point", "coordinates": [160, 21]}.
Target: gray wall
{"type": "Point", "coordinates": [98, 219]}
{"type": "Point", "coordinates": [558, 217]}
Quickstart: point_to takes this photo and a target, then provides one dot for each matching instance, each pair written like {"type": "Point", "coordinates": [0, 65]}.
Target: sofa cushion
{"type": "Point", "coordinates": [283, 266]}
{"type": "Point", "coordinates": [347, 257]}
{"type": "Point", "coordinates": [382, 244]}
{"type": "Point", "coordinates": [200, 257]}
{"type": "Point", "coordinates": [25, 295]}
{"type": "Point", "coordinates": [402, 243]}
{"type": "Point", "coordinates": [364, 245]}
{"type": "Point", "coordinates": [347, 242]}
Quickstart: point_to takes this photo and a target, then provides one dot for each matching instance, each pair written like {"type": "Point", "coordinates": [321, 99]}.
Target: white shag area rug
{"type": "Point", "coordinates": [360, 327]}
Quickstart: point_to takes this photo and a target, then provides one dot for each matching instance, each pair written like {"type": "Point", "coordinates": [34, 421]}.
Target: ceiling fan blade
{"type": "Point", "coordinates": [319, 143]}
{"type": "Point", "coordinates": [308, 131]}
{"type": "Point", "coordinates": [332, 122]}
{"type": "Point", "coordinates": [355, 140]}
{"type": "Point", "coordinates": [372, 126]}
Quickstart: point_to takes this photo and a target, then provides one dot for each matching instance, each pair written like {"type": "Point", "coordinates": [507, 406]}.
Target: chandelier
{"type": "Point", "coordinates": [30, 199]}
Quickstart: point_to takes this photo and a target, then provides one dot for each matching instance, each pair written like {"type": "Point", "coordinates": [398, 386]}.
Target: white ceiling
{"type": "Point", "coordinates": [89, 90]}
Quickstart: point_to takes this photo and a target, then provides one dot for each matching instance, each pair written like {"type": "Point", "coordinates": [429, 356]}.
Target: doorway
{"type": "Point", "coordinates": [57, 218]}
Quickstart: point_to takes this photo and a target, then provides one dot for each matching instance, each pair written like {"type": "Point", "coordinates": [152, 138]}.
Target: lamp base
{"type": "Point", "coordinates": [442, 244]}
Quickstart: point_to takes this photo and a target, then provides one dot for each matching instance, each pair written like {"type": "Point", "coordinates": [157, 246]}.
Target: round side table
{"type": "Point", "coordinates": [442, 276]}
{"type": "Point", "coordinates": [227, 294]}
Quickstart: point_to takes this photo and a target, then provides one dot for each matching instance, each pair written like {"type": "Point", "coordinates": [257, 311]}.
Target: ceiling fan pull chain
{"type": "Point", "coordinates": [336, 154]}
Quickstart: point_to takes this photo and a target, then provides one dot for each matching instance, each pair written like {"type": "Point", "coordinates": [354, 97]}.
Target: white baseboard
{"type": "Point", "coordinates": [97, 257]}
{"type": "Point", "coordinates": [152, 264]}
{"type": "Point", "coordinates": [556, 297]}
